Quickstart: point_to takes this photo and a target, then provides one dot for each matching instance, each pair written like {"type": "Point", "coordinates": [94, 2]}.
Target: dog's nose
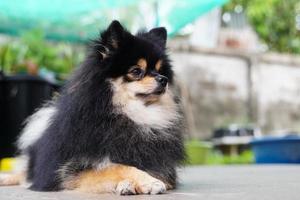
{"type": "Point", "coordinates": [162, 80]}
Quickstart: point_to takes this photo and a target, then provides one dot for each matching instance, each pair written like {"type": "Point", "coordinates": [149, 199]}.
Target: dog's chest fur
{"type": "Point", "coordinates": [159, 115]}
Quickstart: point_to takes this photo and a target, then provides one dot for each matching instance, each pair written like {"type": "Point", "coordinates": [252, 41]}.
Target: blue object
{"type": "Point", "coordinates": [277, 149]}
{"type": "Point", "coordinates": [80, 20]}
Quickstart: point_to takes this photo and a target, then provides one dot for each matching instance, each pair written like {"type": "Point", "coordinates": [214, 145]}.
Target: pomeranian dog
{"type": "Point", "coordinates": [116, 125]}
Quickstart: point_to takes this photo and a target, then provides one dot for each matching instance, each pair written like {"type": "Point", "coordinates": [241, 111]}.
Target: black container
{"type": "Point", "coordinates": [241, 131]}
{"type": "Point", "coordinates": [20, 95]}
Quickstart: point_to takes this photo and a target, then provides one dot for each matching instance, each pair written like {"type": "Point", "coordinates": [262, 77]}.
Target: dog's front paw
{"type": "Point", "coordinates": [125, 187]}
{"type": "Point", "coordinates": [154, 186]}
{"type": "Point", "coordinates": [10, 179]}
{"type": "Point", "coordinates": [130, 187]}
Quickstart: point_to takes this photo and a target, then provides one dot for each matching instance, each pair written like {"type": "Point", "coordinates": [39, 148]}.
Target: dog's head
{"type": "Point", "coordinates": [139, 72]}
{"type": "Point", "coordinates": [137, 65]}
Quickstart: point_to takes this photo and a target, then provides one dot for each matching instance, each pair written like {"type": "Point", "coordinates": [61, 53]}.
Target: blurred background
{"type": "Point", "coordinates": [237, 64]}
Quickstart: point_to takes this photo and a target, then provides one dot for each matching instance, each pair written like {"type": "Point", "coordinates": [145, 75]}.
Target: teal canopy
{"type": "Point", "coordinates": [79, 20]}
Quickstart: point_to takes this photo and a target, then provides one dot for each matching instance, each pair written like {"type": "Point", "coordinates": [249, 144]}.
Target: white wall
{"type": "Point", "coordinates": [218, 90]}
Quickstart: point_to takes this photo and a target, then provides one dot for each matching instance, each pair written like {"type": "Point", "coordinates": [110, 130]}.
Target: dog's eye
{"type": "Point", "coordinates": [137, 72]}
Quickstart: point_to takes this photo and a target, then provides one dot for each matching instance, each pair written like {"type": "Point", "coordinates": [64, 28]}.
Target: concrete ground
{"type": "Point", "coordinates": [261, 182]}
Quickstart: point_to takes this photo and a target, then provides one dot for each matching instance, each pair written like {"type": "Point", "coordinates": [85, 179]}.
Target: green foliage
{"type": "Point", "coordinates": [197, 152]}
{"type": "Point", "coordinates": [274, 21]}
{"type": "Point", "coordinates": [246, 157]}
{"type": "Point", "coordinates": [32, 49]}
{"type": "Point", "coordinates": [230, 6]}
{"type": "Point", "coordinates": [201, 153]}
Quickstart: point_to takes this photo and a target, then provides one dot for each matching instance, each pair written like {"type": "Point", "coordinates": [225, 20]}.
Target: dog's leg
{"type": "Point", "coordinates": [12, 179]}
{"type": "Point", "coordinates": [117, 178]}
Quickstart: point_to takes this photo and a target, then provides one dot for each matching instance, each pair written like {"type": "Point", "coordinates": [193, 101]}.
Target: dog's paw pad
{"type": "Point", "coordinates": [125, 187]}
{"type": "Point", "coordinates": [155, 187]}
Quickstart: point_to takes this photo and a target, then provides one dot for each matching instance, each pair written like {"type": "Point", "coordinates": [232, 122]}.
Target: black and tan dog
{"type": "Point", "coordinates": [115, 126]}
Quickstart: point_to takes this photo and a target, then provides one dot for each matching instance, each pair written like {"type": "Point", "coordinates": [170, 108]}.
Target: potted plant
{"type": "Point", "coordinates": [32, 69]}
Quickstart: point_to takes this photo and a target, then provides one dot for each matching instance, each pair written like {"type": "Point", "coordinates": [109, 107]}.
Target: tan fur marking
{"type": "Point", "coordinates": [158, 65]}
{"type": "Point", "coordinates": [147, 80]}
{"type": "Point", "coordinates": [151, 100]}
{"type": "Point", "coordinates": [106, 180]}
{"type": "Point", "coordinates": [130, 77]}
{"type": "Point", "coordinates": [114, 43]}
{"type": "Point", "coordinates": [103, 55]}
{"type": "Point", "coordinates": [142, 63]}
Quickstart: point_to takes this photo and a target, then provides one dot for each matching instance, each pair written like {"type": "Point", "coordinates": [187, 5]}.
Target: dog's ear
{"type": "Point", "coordinates": [161, 34]}
{"type": "Point", "coordinates": [113, 35]}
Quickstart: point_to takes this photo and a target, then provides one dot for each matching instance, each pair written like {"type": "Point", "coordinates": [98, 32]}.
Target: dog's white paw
{"type": "Point", "coordinates": [125, 187]}
{"type": "Point", "coordinates": [7, 180]}
{"type": "Point", "coordinates": [1, 181]}
{"type": "Point", "coordinates": [12, 179]}
{"type": "Point", "coordinates": [129, 187]}
{"type": "Point", "coordinates": [154, 187]}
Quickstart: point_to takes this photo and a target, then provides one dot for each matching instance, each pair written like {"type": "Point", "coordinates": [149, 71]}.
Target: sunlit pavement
{"type": "Point", "coordinates": [261, 182]}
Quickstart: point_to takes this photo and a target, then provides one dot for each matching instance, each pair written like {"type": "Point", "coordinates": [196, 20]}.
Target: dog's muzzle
{"type": "Point", "coordinates": [162, 83]}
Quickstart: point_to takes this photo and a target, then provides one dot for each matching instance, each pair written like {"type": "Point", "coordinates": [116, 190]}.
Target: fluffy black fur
{"type": "Point", "coordinates": [85, 129]}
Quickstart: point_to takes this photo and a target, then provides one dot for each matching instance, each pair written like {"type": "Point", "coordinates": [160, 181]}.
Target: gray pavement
{"type": "Point", "coordinates": [261, 182]}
